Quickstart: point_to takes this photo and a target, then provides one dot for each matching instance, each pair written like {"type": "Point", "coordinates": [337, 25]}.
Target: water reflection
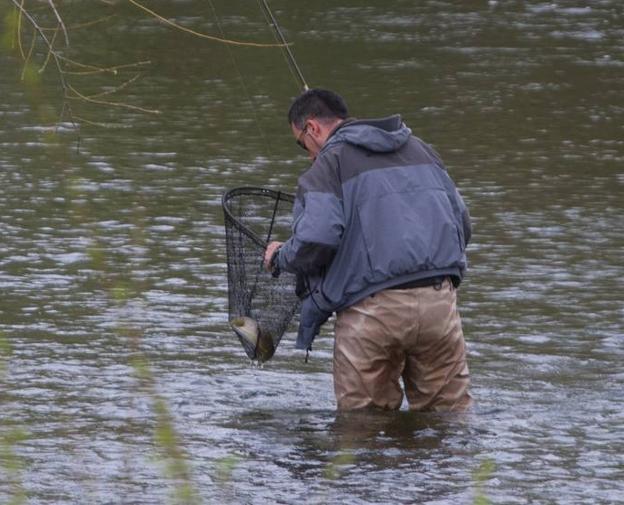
{"type": "Point", "coordinates": [109, 230]}
{"type": "Point", "coordinates": [372, 450]}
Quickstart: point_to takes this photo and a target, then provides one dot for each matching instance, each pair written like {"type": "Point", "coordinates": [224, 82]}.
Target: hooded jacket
{"type": "Point", "coordinates": [376, 209]}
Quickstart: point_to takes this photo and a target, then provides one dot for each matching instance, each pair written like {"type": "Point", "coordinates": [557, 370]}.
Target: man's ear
{"type": "Point", "coordinates": [314, 127]}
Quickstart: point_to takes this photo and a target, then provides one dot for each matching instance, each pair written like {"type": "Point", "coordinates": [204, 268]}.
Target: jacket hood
{"type": "Point", "coordinates": [378, 135]}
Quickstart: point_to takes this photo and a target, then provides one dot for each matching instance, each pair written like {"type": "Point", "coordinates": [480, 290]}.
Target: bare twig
{"type": "Point", "coordinates": [116, 88]}
{"type": "Point", "coordinates": [19, 33]}
{"type": "Point", "coordinates": [78, 26]}
{"type": "Point", "coordinates": [60, 20]}
{"type": "Point", "coordinates": [47, 59]}
{"type": "Point", "coordinates": [110, 104]}
{"type": "Point", "coordinates": [96, 123]}
{"type": "Point", "coordinates": [66, 67]}
{"type": "Point", "coordinates": [53, 53]}
{"type": "Point", "coordinates": [29, 55]}
{"type": "Point", "coordinates": [93, 22]}
{"type": "Point", "coordinates": [197, 34]}
{"type": "Point", "coordinates": [98, 70]}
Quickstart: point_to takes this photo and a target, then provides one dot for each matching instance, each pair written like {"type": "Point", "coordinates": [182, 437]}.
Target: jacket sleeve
{"type": "Point", "coordinates": [461, 211]}
{"type": "Point", "coordinates": [466, 223]}
{"type": "Point", "coordinates": [459, 207]}
{"type": "Point", "coordinates": [318, 221]}
{"type": "Point", "coordinates": [457, 202]}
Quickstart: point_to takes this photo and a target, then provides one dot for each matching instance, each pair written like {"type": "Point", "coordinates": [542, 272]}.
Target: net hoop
{"type": "Point", "coordinates": [254, 216]}
{"type": "Point", "coordinates": [251, 190]}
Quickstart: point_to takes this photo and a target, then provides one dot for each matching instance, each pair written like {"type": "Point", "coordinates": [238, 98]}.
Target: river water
{"type": "Point", "coordinates": [113, 268]}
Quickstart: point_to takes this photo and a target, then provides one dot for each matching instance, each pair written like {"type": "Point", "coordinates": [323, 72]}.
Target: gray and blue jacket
{"type": "Point", "coordinates": [376, 209]}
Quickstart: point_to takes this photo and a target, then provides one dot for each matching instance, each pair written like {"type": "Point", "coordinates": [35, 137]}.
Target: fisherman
{"type": "Point", "coordinates": [379, 237]}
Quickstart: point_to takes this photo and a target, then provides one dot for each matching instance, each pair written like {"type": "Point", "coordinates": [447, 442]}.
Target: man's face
{"type": "Point", "coordinates": [306, 138]}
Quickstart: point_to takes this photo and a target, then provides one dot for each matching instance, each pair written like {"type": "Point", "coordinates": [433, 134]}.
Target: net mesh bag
{"type": "Point", "coordinates": [253, 218]}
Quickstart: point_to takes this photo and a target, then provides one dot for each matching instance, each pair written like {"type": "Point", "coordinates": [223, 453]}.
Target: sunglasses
{"type": "Point", "coordinates": [300, 137]}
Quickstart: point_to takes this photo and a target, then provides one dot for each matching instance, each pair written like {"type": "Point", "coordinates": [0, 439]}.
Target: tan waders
{"type": "Point", "coordinates": [414, 334]}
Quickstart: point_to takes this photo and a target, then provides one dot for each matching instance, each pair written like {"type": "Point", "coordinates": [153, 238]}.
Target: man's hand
{"type": "Point", "coordinates": [268, 254]}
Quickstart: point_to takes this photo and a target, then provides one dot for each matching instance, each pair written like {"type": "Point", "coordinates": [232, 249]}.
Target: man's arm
{"type": "Point", "coordinates": [270, 251]}
{"type": "Point", "coordinates": [466, 222]}
{"type": "Point", "coordinates": [459, 206]}
{"type": "Point", "coordinates": [318, 225]}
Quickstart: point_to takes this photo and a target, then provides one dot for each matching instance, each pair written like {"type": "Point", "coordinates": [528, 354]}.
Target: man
{"type": "Point", "coordinates": [379, 237]}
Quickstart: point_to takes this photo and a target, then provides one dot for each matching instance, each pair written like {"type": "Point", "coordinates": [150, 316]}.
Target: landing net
{"type": "Point", "coordinates": [253, 218]}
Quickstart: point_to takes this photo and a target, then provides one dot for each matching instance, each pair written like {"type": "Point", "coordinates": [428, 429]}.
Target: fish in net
{"type": "Point", "coordinates": [261, 306]}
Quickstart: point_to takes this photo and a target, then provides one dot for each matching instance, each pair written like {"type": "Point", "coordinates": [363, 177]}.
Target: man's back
{"type": "Point", "coordinates": [389, 208]}
{"type": "Point", "coordinates": [379, 235]}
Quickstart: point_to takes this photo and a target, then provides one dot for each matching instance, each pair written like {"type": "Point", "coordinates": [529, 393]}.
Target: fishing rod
{"type": "Point", "coordinates": [290, 58]}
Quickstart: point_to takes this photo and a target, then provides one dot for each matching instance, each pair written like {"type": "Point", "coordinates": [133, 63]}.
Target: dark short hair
{"type": "Point", "coordinates": [318, 103]}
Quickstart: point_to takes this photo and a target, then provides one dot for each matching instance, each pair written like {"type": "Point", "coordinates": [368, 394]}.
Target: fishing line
{"type": "Point", "coordinates": [286, 52]}
{"type": "Point", "coordinates": [299, 80]}
{"type": "Point", "coordinates": [266, 143]}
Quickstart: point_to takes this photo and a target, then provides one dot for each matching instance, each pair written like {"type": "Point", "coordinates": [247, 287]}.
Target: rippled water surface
{"type": "Point", "coordinates": [112, 258]}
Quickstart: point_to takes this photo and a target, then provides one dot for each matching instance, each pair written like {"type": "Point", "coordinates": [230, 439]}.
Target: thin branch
{"type": "Point", "coordinates": [96, 69]}
{"type": "Point", "coordinates": [76, 63]}
{"type": "Point", "coordinates": [95, 123]}
{"type": "Point", "coordinates": [66, 66]}
{"type": "Point", "coordinates": [197, 34]}
{"type": "Point", "coordinates": [116, 88]}
{"type": "Point", "coordinates": [99, 70]}
{"type": "Point", "coordinates": [45, 39]}
{"type": "Point", "coordinates": [60, 20]}
{"type": "Point", "coordinates": [110, 104]}
{"type": "Point", "coordinates": [82, 25]}
{"type": "Point", "coordinates": [29, 55]}
{"type": "Point", "coordinates": [91, 23]}
{"type": "Point", "coordinates": [45, 63]}
{"type": "Point", "coordinates": [19, 33]}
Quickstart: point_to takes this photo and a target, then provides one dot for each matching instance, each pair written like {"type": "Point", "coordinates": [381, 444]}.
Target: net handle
{"type": "Point", "coordinates": [277, 201]}
{"type": "Point", "coordinates": [261, 267]}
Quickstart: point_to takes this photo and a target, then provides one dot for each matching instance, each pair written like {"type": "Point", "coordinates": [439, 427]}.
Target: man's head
{"type": "Point", "coordinates": [312, 117]}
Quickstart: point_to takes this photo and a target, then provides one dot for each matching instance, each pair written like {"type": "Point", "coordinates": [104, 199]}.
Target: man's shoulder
{"type": "Point", "coordinates": [321, 176]}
